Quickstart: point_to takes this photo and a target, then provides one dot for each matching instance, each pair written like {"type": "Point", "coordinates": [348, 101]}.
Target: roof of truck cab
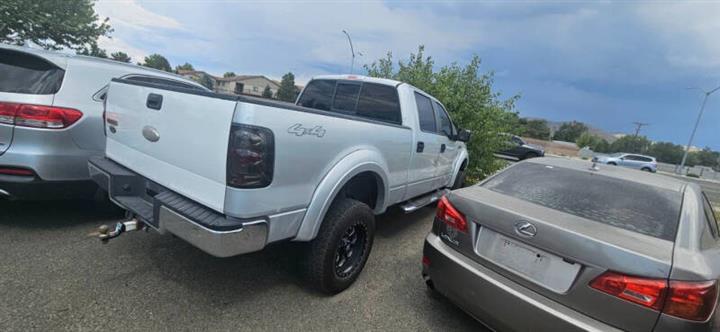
{"type": "Point", "coordinates": [628, 174]}
{"type": "Point", "coordinates": [61, 59]}
{"type": "Point", "coordinates": [361, 78]}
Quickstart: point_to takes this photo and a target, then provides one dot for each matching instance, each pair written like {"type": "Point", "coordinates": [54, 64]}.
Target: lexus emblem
{"type": "Point", "coordinates": [151, 134]}
{"type": "Point", "coordinates": [525, 229]}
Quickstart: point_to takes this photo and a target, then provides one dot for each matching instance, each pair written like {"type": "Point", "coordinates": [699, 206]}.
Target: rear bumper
{"type": "Point", "coordinates": [168, 212]}
{"type": "Point", "coordinates": [32, 188]}
{"type": "Point", "coordinates": [495, 300]}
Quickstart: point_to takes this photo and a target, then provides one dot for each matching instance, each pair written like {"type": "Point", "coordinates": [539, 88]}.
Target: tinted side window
{"type": "Point", "coordinates": [645, 159]}
{"type": "Point", "coordinates": [24, 73]}
{"type": "Point", "coordinates": [163, 81]}
{"type": "Point", "coordinates": [425, 113]}
{"type": "Point", "coordinates": [346, 97]}
{"type": "Point", "coordinates": [318, 94]}
{"type": "Point", "coordinates": [379, 102]}
{"type": "Point", "coordinates": [444, 124]}
{"type": "Point", "coordinates": [619, 203]}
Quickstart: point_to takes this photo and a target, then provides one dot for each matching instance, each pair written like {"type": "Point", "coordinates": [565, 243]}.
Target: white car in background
{"type": "Point", "coordinates": [51, 118]}
{"type": "Point", "coordinates": [636, 161]}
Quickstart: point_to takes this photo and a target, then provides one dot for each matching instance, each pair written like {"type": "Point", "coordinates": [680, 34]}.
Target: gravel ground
{"type": "Point", "coordinates": [54, 277]}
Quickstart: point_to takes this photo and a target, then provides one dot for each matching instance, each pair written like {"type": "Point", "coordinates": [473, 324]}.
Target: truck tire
{"type": "Point", "coordinates": [339, 252]}
{"type": "Point", "coordinates": [459, 180]}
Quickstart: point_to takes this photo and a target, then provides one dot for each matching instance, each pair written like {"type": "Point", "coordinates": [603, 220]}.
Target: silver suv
{"type": "Point", "coordinates": [636, 161]}
{"type": "Point", "coordinates": [51, 109]}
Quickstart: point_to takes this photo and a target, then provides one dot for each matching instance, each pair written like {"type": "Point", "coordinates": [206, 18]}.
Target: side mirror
{"type": "Point", "coordinates": [463, 135]}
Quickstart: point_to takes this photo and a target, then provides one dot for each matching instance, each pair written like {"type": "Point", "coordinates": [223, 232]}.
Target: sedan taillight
{"type": "Point", "coordinates": [38, 116]}
{"type": "Point", "coordinates": [251, 156]}
{"type": "Point", "coordinates": [691, 300]}
{"type": "Point", "coordinates": [447, 214]}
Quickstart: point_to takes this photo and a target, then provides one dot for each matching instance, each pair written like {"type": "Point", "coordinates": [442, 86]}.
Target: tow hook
{"type": "Point", "coordinates": [105, 234]}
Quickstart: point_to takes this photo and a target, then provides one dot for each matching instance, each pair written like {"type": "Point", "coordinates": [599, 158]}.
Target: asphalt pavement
{"type": "Point", "coordinates": [53, 277]}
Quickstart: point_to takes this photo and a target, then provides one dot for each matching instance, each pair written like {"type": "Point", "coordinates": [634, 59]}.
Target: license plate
{"type": "Point", "coordinates": [535, 265]}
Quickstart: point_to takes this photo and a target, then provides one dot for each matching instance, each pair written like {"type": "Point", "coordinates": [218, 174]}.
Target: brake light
{"type": "Point", "coordinates": [251, 157]}
{"type": "Point", "coordinates": [691, 300]}
{"type": "Point", "coordinates": [38, 116]}
{"type": "Point", "coordinates": [643, 291]}
{"type": "Point", "coordinates": [16, 171]}
{"type": "Point", "coordinates": [450, 216]}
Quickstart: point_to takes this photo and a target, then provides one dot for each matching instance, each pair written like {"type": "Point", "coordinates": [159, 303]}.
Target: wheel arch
{"type": "Point", "coordinates": [361, 163]}
{"type": "Point", "coordinates": [461, 161]}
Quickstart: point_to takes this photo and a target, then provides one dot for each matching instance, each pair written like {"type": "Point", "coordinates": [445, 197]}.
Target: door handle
{"type": "Point", "coordinates": [420, 147]}
{"type": "Point", "coordinates": [442, 148]}
{"type": "Point", "coordinates": [154, 101]}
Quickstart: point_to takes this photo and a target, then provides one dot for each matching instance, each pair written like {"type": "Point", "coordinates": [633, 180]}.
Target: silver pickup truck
{"type": "Point", "coordinates": [231, 174]}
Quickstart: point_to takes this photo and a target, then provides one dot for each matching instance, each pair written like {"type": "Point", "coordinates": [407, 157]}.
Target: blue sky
{"type": "Point", "coordinates": [605, 63]}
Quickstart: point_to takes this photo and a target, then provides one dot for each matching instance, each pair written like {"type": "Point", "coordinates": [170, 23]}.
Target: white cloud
{"type": "Point", "coordinates": [116, 44]}
{"type": "Point", "coordinates": [131, 14]}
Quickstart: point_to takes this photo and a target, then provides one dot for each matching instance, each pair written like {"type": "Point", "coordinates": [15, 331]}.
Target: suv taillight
{"type": "Point", "coordinates": [450, 216]}
{"type": "Point", "coordinates": [38, 116]}
{"type": "Point", "coordinates": [692, 300]}
{"type": "Point", "coordinates": [251, 156]}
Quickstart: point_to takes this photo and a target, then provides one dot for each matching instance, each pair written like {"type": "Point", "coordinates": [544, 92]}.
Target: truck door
{"type": "Point", "coordinates": [422, 174]}
{"type": "Point", "coordinates": [448, 147]}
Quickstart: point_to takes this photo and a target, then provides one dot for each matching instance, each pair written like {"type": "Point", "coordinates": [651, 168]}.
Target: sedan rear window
{"type": "Point", "coordinates": [25, 73]}
{"type": "Point", "coordinates": [628, 205]}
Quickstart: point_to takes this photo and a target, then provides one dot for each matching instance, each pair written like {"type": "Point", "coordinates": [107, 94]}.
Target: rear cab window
{"type": "Point", "coordinates": [372, 101]}
{"type": "Point", "coordinates": [25, 73]}
{"type": "Point", "coordinates": [624, 204]}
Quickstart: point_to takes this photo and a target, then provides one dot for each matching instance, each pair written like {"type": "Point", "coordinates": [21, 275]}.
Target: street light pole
{"type": "Point", "coordinates": [352, 51]}
{"type": "Point", "coordinates": [697, 122]}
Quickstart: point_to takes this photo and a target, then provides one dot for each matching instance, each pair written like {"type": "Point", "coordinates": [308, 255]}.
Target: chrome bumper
{"type": "Point", "coordinates": [168, 212]}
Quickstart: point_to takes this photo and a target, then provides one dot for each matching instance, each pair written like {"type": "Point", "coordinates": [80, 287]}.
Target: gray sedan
{"type": "Point", "coordinates": [555, 245]}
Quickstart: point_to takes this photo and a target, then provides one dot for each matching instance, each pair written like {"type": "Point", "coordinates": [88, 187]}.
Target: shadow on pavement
{"type": "Point", "coordinates": [55, 214]}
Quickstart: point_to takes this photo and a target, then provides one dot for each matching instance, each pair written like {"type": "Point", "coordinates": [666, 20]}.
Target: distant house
{"type": "Point", "coordinates": [246, 84]}
{"type": "Point", "coordinates": [196, 75]}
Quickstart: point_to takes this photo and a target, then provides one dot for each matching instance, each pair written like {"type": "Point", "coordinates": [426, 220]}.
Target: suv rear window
{"type": "Point", "coordinates": [25, 73]}
{"type": "Point", "coordinates": [628, 205]}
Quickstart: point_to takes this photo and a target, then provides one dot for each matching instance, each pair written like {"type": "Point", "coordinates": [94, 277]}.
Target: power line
{"type": "Point", "coordinates": [638, 126]}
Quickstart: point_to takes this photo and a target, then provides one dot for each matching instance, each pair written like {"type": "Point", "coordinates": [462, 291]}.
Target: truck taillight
{"type": "Point", "coordinates": [447, 214]}
{"type": "Point", "coordinates": [251, 156]}
{"type": "Point", "coordinates": [692, 300]}
{"type": "Point", "coordinates": [38, 116]}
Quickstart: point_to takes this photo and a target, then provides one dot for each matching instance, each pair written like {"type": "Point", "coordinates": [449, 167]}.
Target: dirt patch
{"type": "Point", "coordinates": [561, 149]}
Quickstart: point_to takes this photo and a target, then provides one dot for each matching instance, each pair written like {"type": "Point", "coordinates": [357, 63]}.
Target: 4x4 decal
{"type": "Point", "coordinates": [299, 130]}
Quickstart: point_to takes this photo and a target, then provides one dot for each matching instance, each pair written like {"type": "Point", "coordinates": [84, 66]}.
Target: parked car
{"type": "Point", "coordinates": [553, 244]}
{"type": "Point", "coordinates": [636, 161]}
{"type": "Point", "coordinates": [51, 119]}
{"type": "Point", "coordinates": [231, 174]}
{"type": "Point", "coordinates": [518, 148]}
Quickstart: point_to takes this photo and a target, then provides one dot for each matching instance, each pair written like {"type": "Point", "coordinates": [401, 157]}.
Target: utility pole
{"type": "Point", "coordinates": [697, 122]}
{"type": "Point", "coordinates": [638, 126]}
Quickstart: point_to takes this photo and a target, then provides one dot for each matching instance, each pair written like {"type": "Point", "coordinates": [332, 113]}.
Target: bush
{"type": "Point", "coordinates": [693, 175]}
{"type": "Point", "coordinates": [469, 97]}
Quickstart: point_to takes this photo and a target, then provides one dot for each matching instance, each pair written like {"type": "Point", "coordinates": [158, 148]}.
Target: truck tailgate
{"type": "Point", "coordinates": [176, 139]}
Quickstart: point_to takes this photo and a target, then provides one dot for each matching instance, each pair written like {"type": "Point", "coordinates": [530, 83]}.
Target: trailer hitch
{"type": "Point", "coordinates": [104, 233]}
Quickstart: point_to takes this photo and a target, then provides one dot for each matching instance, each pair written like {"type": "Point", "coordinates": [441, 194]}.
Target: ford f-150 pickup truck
{"type": "Point", "coordinates": [231, 174]}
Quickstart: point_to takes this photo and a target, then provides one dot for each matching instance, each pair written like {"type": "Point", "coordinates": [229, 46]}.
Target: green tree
{"type": "Point", "coordinates": [267, 93]}
{"type": "Point", "coordinates": [594, 142]}
{"type": "Point", "coordinates": [535, 128]}
{"type": "Point", "coordinates": [666, 152]}
{"type": "Point", "coordinates": [287, 91]}
{"type": "Point", "coordinates": [570, 131]}
{"type": "Point", "coordinates": [51, 25]}
{"type": "Point", "coordinates": [93, 50]}
{"type": "Point", "coordinates": [707, 157]}
{"type": "Point", "coordinates": [229, 74]}
{"type": "Point", "coordinates": [157, 61]}
{"type": "Point", "coordinates": [120, 56]}
{"type": "Point", "coordinates": [185, 66]}
{"type": "Point", "coordinates": [631, 144]}
{"type": "Point", "coordinates": [468, 96]}
{"type": "Point", "coordinates": [206, 81]}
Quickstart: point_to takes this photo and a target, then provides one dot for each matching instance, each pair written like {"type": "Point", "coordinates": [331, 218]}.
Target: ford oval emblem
{"type": "Point", "coordinates": [151, 134]}
{"type": "Point", "coordinates": [525, 229]}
